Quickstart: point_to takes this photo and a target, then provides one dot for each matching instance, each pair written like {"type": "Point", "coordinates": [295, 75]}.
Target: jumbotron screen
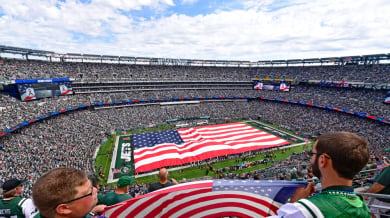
{"type": "Point", "coordinates": [387, 99]}
{"type": "Point", "coordinates": [272, 85]}
{"type": "Point", "coordinates": [31, 91]}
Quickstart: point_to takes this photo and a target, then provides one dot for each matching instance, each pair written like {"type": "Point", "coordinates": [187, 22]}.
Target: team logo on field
{"type": "Point", "coordinates": [125, 170]}
{"type": "Point", "coordinates": [126, 151]}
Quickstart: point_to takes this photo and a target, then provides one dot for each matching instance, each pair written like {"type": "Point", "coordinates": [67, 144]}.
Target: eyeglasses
{"type": "Point", "coordinates": [311, 153]}
{"type": "Point", "coordinates": [84, 196]}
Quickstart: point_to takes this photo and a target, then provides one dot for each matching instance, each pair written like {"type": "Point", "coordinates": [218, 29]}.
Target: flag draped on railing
{"type": "Point", "coordinates": [210, 198]}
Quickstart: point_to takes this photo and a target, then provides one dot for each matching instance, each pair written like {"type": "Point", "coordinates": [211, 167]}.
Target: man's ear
{"type": "Point", "coordinates": [324, 160]}
{"type": "Point", "coordinates": [63, 209]}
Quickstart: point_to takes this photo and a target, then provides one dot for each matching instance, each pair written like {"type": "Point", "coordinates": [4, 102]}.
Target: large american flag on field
{"type": "Point", "coordinates": [169, 148]}
{"type": "Point", "coordinates": [210, 198]}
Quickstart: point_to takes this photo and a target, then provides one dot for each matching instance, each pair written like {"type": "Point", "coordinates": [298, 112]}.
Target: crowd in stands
{"type": "Point", "coordinates": [357, 100]}
{"type": "Point", "coordinates": [70, 140]}
{"type": "Point", "coordinates": [295, 168]}
{"type": "Point", "coordinates": [20, 69]}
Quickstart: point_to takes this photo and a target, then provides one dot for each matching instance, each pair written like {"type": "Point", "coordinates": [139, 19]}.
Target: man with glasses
{"type": "Point", "coordinates": [12, 205]}
{"type": "Point", "coordinates": [335, 159]}
{"type": "Point", "coordinates": [64, 192]}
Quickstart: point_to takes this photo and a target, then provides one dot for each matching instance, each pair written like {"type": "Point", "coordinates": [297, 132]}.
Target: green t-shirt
{"type": "Point", "coordinates": [335, 202]}
{"type": "Point", "coordinates": [112, 198]}
{"type": "Point", "coordinates": [384, 179]}
{"type": "Point", "coordinates": [100, 199]}
{"type": "Point", "coordinates": [293, 176]}
{"type": "Point", "coordinates": [12, 207]}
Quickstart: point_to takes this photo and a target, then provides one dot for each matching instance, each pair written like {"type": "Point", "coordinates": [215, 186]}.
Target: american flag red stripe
{"type": "Point", "coordinates": [211, 198]}
{"type": "Point", "coordinates": [157, 199]}
{"type": "Point", "coordinates": [28, 98]}
{"type": "Point", "coordinates": [204, 142]}
{"type": "Point", "coordinates": [115, 171]}
{"type": "Point", "coordinates": [197, 199]}
{"type": "Point", "coordinates": [66, 92]}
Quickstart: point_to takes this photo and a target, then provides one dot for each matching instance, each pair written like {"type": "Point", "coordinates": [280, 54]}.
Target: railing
{"type": "Point", "coordinates": [379, 210]}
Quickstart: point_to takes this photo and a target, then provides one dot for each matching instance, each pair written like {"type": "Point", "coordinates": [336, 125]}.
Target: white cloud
{"type": "Point", "coordinates": [262, 30]}
{"type": "Point", "coordinates": [127, 5]}
{"type": "Point", "coordinates": [188, 2]}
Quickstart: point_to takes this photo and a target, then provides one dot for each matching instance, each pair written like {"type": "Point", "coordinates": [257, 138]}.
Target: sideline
{"type": "Point", "coordinates": [113, 161]}
{"type": "Point", "coordinates": [271, 127]}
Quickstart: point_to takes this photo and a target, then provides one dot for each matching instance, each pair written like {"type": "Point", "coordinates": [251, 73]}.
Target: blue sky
{"type": "Point", "coordinates": [220, 30]}
{"type": "Point", "coordinates": [189, 9]}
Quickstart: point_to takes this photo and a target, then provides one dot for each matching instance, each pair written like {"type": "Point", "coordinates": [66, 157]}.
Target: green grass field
{"type": "Point", "coordinates": [195, 172]}
{"type": "Point", "coordinates": [104, 157]}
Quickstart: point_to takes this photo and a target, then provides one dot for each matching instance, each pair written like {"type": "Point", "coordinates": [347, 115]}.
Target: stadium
{"type": "Point", "coordinates": [84, 111]}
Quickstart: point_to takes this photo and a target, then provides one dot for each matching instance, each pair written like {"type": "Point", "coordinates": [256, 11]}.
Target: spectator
{"type": "Point", "coordinates": [381, 186]}
{"type": "Point", "coordinates": [95, 183]}
{"type": "Point", "coordinates": [73, 138]}
{"type": "Point", "coordinates": [165, 181]}
{"type": "Point", "coordinates": [12, 205]}
{"type": "Point", "coordinates": [121, 192]}
{"type": "Point", "coordinates": [64, 192]}
{"type": "Point", "coordinates": [336, 158]}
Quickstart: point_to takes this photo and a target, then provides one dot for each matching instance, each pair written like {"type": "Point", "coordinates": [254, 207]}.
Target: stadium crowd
{"type": "Point", "coordinates": [20, 69]}
{"type": "Point", "coordinates": [70, 140]}
{"type": "Point", "coordinates": [357, 100]}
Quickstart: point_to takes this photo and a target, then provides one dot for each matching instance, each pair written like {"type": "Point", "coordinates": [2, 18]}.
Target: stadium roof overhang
{"type": "Point", "coordinates": [375, 58]}
{"type": "Point", "coordinates": [24, 51]}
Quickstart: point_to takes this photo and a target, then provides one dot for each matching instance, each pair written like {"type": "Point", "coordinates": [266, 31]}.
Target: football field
{"type": "Point", "coordinates": [149, 151]}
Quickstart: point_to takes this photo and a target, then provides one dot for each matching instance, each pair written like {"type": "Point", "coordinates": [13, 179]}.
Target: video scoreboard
{"type": "Point", "coordinates": [283, 85]}
{"type": "Point", "coordinates": [32, 89]}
